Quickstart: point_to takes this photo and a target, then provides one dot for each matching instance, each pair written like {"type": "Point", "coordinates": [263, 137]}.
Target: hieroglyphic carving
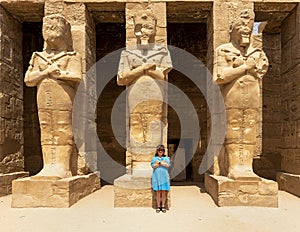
{"type": "Point", "coordinates": [56, 72]}
{"type": "Point", "coordinates": [239, 65]}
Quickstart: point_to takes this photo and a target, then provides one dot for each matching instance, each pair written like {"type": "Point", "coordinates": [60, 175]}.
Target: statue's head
{"type": "Point", "coordinates": [241, 28]}
{"type": "Point", "coordinates": [145, 27]}
{"type": "Point", "coordinates": [57, 33]}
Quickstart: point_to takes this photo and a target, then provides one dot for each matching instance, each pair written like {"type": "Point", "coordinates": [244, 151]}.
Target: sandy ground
{"type": "Point", "coordinates": [192, 210]}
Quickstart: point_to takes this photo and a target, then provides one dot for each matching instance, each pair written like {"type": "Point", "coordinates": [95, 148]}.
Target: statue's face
{"type": "Point", "coordinates": [53, 29]}
{"type": "Point", "coordinates": [243, 29]}
{"type": "Point", "coordinates": [144, 32]}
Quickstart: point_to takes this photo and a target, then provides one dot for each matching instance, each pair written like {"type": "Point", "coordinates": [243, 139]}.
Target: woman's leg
{"type": "Point", "coordinates": [163, 198]}
{"type": "Point", "coordinates": [158, 198]}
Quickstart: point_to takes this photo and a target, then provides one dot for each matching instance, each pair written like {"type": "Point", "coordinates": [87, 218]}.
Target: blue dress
{"type": "Point", "coordinates": [160, 175]}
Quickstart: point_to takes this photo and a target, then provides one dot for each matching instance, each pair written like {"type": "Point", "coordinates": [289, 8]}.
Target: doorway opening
{"type": "Point", "coordinates": [109, 38]}
{"type": "Point", "coordinates": [187, 29]}
{"type": "Point", "coordinates": [33, 160]}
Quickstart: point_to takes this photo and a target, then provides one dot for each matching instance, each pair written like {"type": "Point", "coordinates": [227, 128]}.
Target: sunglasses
{"type": "Point", "coordinates": [161, 150]}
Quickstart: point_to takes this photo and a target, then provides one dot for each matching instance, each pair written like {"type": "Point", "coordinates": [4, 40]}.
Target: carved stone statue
{"type": "Point", "coordinates": [55, 71]}
{"type": "Point", "coordinates": [139, 68]}
{"type": "Point", "coordinates": [239, 67]}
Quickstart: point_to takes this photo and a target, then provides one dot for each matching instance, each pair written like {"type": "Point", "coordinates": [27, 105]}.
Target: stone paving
{"type": "Point", "coordinates": [192, 210]}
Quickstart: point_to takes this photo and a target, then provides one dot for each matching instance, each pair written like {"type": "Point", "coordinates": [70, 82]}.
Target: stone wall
{"type": "Point", "coordinates": [11, 94]}
{"type": "Point", "coordinates": [290, 72]}
{"type": "Point", "coordinates": [267, 163]}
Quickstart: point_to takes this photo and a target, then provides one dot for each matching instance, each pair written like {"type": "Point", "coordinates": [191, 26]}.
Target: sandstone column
{"type": "Point", "coordinates": [144, 62]}
{"type": "Point", "coordinates": [289, 178]}
{"type": "Point", "coordinates": [57, 71]}
{"type": "Point", "coordinates": [11, 102]}
{"type": "Point", "coordinates": [238, 69]}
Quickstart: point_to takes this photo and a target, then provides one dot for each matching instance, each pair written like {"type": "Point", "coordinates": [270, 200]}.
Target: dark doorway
{"type": "Point", "coordinates": [109, 38]}
{"type": "Point", "coordinates": [192, 38]}
{"type": "Point", "coordinates": [32, 41]}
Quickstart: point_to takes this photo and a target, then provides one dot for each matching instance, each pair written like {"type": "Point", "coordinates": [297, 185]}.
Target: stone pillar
{"type": "Point", "coordinates": [289, 178]}
{"type": "Point", "coordinates": [231, 181]}
{"type": "Point", "coordinates": [11, 102]}
{"type": "Point", "coordinates": [84, 41]}
{"type": "Point", "coordinates": [46, 191]}
{"type": "Point", "coordinates": [146, 113]}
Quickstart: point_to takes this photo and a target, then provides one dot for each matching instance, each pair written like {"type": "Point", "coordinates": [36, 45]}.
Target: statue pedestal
{"type": "Point", "coordinates": [6, 181]}
{"type": "Point", "coordinates": [43, 192]}
{"type": "Point", "coordinates": [289, 182]}
{"type": "Point", "coordinates": [135, 191]}
{"type": "Point", "coordinates": [228, 192]}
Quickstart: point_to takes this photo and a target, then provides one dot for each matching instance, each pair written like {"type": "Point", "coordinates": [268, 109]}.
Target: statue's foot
{"type": "Point", "coordinates": [247, 175]}
{"type": "Point", "coordinates": [53, 172]}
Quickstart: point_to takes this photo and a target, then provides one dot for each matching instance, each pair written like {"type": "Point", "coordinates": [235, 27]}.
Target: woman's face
{"type": "Point", "coordinates": [160, 152]}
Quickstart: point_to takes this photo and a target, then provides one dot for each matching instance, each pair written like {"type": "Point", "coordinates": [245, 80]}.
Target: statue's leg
{"type": "Point", "coordinates": [56, 161]}
{"type": "Point", "coordinates": [57, 143]}
{"type": "Point", "coordinates": [240, 161]}
{"type": "Point", "coordinates": [240, 143]}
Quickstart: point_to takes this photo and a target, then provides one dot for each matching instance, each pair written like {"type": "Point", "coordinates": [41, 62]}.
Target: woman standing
{"type": "Point", "coordinates": [160, 177]}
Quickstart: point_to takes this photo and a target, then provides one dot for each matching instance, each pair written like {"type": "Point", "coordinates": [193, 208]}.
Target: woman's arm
{"type": "Point", "coordinates": [166, 162]}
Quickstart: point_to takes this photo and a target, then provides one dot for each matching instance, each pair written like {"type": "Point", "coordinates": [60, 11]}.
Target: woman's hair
{"type": "Point", "coordinates": [162, 147]}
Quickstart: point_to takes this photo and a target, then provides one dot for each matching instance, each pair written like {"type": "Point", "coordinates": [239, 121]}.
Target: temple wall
{"type": "Point", "coordinates": [267, 163]}
{"type": "Point", "coordinates": [277, 129]}
{"type": "Point", "coordinates": [290, 71]}
{"type": "Point", "coordinates": [11, 94]}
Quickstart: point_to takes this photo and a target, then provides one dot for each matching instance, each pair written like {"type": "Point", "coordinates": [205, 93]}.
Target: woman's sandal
{"type": "Point", "coordinates": [163, 210]}
{"type": "Point", "coordinates": [157, 210]}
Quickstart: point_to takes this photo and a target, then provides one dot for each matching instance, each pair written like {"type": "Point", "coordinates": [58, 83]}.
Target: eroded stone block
{"type": "Point", "coordinates": [289, 182]}
{"type": "Point", "coordinates": [135, 191]}
{"type": "Point", "coordinates": [45, 192]}
{"type": "Point", "coordinates": [228, 192]}
{"type": "Point", "coordinates": [6, 181]}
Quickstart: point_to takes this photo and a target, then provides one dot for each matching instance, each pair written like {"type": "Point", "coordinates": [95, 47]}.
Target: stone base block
{"type": "Point", "coordinates": [289, 182]}
{"type": "Point", "coordinates": [31, 192]}
{"type": "Point", "coordinates": [6, 181]}
{"type": "Point", "coordinates": [135, 191]}
{"type": "Point", "coordinates": [228, 192]}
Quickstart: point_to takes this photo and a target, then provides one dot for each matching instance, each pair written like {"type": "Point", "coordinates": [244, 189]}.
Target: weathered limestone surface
{"type": "Point", "coordinates": [44, 192]}
{"type": "Point", "coordinates": [6, 181]}
{"type": "Point", "coordinates": [239, 67]}
{"type": "Point", "coordinates": [143, 64]}
{"type": "Point", "coordinates": [289, 182]}
{"type": "Point", "coordinates": [56, 71]}
{"type": "Point", "coordinates": [133, 191]}
{"type": "Point", "coordinates": [288, 178]}
{"type": "Point", "coordinates": [228, 192]}
{"type": "Point", "coordinates": [11, 102]}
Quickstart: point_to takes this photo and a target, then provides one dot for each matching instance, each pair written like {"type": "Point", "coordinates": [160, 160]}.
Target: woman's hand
{"type": "Point", "coordinates": [165, 164]}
